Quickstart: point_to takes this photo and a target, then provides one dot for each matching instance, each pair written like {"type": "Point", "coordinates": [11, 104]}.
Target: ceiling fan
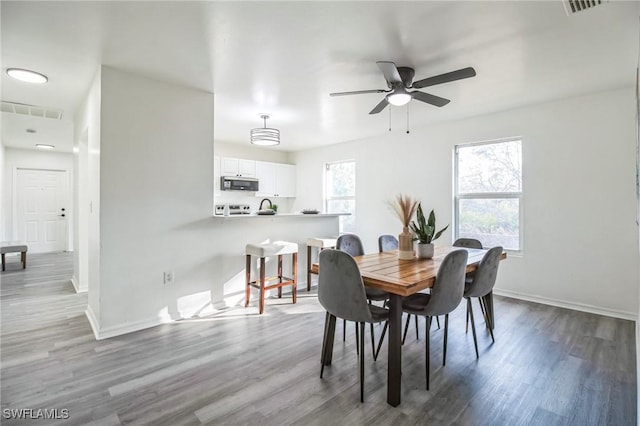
{"type": "Point", "coordinates": [399, 79]}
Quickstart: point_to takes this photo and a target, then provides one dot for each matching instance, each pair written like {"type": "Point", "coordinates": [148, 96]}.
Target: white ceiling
{"type": "Point", "coordinates": [284, 58]}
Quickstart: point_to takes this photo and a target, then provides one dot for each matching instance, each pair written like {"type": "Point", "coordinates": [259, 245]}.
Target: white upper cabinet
{"type": "Point", "coordinates": [276, 179]}
{"type": "Point", "coordinates": [285, 180]}
{"type": "Point", "coordinates": [237, 167]}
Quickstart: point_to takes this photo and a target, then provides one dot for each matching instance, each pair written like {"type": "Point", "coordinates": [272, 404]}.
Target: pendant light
{"type": "Point", "coordinates": [265, 136]}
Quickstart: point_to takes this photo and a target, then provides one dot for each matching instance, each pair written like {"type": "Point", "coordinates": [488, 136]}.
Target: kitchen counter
{"type": "Point", "coordinates": [275, 216]}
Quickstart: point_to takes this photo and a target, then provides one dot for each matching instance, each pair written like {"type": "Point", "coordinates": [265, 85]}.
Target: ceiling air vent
{"type": "Point", "coordinates": [575, 6]}
{"type": "Point", "coordinates": [32, 110]}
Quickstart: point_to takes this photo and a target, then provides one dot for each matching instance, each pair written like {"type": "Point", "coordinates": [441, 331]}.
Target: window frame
{"type": "Point", "coordinates": [488, 195]}
{"type": "Point", "coordinates": [327, 199]}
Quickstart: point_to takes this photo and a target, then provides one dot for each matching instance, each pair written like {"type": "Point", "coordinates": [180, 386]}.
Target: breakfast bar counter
{"type": "Point", "coordinates": [234, 217]}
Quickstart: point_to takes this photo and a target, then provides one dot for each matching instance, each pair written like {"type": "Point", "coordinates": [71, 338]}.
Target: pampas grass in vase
{"type": "Point", "coordinates": [404, 207]}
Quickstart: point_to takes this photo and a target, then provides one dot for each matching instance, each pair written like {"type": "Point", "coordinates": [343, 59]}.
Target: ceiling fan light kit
{"type": "Point", "coordinates": [399, 79]}
{"type": "Point", "coordinates": [265, 136]}
{"type": "Point", "coordinates": [399, 98]}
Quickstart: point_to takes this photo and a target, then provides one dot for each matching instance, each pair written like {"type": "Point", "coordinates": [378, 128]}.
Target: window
{"type": "Point", "coordinates": [488, 193]}
{"type": "Point", "coordinates": [340, 192]}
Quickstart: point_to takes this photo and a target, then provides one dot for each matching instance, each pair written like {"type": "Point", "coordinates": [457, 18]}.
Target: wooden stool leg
{"type": "Point", "coordinates": [3, 261]}
{"type": "Point", "coordinates": [295, 276]}
{"type": "Point", "coordinates": [23, 257]}
{"type": "Point", "coordinates": [261, 285]}
{"type": "Point", "coordinates": [247, 294]}
{"type": "Point", "coordinates": [279, 275]}
{"type": "Point", "coordinates": [308, 268]}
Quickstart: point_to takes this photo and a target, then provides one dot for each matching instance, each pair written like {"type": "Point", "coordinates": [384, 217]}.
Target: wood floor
{"type": "Point", "coordinates": [548, 366]}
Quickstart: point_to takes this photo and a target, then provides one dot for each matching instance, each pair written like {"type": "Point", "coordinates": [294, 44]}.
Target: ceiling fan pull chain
{"type": "Point", "coordinates": [407, 118]}
{"type": "Point", "coordinates": [389, 119]}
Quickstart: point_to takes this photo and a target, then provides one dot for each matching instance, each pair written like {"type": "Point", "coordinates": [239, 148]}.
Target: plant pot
{"type": "Point", "coordinates": [405, 245]}
{"type": "Point", "coordinates": [425, 251]}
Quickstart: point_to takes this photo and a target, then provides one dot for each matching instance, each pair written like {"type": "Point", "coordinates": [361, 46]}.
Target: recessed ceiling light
{"type": "Point", "coordinates": [27, 75]}
{"type": "Point", "coordinates": [44, 146]}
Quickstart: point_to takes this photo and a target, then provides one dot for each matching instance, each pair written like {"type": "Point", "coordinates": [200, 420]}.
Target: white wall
{"type": "Point", "coordinates": [15, 158]}
{"type": "Point", "coordinates": [580, 237]}
{"type": "Point", "coordinates": [86, 265]}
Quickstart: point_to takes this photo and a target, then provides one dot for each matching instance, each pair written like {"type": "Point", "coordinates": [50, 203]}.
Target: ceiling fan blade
{"type": "Point", "coordinates": [445, 78]}
{"type": "Point", "coordinates": [390, 72]}
{"type": "Point", "coordinates": [382, 105]}
{"type": "Point", "coordinates": [357, 92]}
{"type": "Point", "coordinates": [430, 99]}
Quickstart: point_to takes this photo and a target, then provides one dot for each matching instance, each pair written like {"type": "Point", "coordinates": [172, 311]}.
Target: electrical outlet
{"type": "Point", "coordinates": [168, 277]}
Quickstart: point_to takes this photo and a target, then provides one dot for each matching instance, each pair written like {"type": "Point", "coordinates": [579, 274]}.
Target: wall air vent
{"type": "Point", "coordinates": [33, 110]}
{"type": "Point", "coordinates": [575, 6]}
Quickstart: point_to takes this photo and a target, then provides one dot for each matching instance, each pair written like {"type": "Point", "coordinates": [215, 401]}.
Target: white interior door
{"type": "Point", "coordinates": [41, 212]}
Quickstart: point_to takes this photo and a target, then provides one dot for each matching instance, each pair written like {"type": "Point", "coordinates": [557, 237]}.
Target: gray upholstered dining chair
{"type": "Point", "coordinates": [446, 295]}
{"type": "Point", "coordinates": [341, 293]}
{"type": "Point", "coordinates": [352, 244]}
{"type": "Point", "coordinates": [481, 285]}
{"type": "Point", "coordinates": [474, 244]}
{"type": "Point", "coordinates": [387, 243]}
{"type": "Point", "coordinates": [467, 243]}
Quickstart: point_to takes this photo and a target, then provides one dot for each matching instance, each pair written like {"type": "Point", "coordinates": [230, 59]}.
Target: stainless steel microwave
{"type": "Point", "coordinates": [235, 183]}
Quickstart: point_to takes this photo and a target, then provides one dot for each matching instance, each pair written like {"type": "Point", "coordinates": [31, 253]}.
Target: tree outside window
{"type": "Point", "coordinates": [340, 192]}
{"type": "Point", "coordinates": [488, 193]}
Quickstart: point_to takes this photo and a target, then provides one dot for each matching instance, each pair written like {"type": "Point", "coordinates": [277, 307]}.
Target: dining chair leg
{"type": "Point", "coordinates": [426, 339]}
{"type": "Point", "coordinates": [373, 343]}
{"type": "Point", "coordinates": [344, 330]}
{"type": "Point", "coordinates": [323, 355]}
{"type": "Point", "coordinates": [362, 362]}
{"type": "Point", "coordinates": [406, 327]}
{"type": "Point", "coordinates": [357, 339]}
{"type": "Point", "coordinates": [487, 320]}
{"type": "Point", "coordinates": [473, 326]}
{"type": "Point", "coordinates": [466, 330]}
{"type": "Point", "coordinates": [446, 333]}
{"type": "Point", "coordinates": [438, 322]}
{"type": "Point", "coordinates": [384, 331]}
{"type": "Point", "coordinates": [417, 336]}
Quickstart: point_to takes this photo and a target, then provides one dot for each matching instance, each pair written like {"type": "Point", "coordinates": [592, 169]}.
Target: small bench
{"type": "Point", "coordinates": [15, 249]}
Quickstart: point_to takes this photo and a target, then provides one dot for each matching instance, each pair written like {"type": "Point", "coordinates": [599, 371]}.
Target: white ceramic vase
{"type": "Point", "coordinates": [425, 251]}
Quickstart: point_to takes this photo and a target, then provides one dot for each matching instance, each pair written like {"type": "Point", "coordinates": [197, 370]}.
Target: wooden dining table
{"type": "Point", "coordinates": [401, 278]}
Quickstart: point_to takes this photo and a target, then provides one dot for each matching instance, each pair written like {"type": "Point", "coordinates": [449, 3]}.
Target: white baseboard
{"type": "Point", "coordinates": [78, 288]}
{"type": "Point", "coordinates": [93, 321]}
{"type": "Point", "coordinates": [106, 333]}
{"type": "Point", "coordinates": [568, 305]}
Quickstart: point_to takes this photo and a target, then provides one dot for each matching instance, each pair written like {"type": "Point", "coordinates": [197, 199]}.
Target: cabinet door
{"type": "Point", "coordinates": [285, 180]}
{"type": "Point", "coordinates": [266, 174]}
{"type": "Point", "coordinates": [229, 166]}
{"type": "Point", "coordinates": [247, 168]}
{"type": "Point", "coordinates": [216, 177]}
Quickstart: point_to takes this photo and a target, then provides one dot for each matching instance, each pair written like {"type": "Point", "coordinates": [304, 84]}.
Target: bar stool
{"type": "Point", "coordinates": [321, 244]}
{"type": "Point", "coordinates": [277, 248]}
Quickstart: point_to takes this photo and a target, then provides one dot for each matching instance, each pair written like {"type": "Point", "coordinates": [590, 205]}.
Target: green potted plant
{"type": "Point", "coordinates": [425, 232]}
{"type": "Point", "coordinates": [274, 207]}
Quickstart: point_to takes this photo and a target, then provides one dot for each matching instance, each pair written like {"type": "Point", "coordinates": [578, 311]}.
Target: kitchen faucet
{"type": "Point", "coordinates": [263, 200]}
